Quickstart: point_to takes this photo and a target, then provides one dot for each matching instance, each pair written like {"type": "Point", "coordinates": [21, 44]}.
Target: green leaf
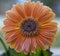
{"type": "Point", "coordinates": [47, 53]}
{"type": "Point", "coordinates": [38, 52]}
{"type": "Point", "coordinates": [14, 53]}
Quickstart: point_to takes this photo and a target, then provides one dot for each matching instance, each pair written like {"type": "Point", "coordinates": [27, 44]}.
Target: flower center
{"type": "Point", "coordinates": [29, 27]}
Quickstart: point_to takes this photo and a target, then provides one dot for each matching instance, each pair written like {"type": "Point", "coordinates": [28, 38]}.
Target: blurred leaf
{"type": "Point", "coordinates": [38, 52]}
{"type": "Point", "coordinates": [47, 53]}
{"type": "Point", "coordinates": [14, 53]}
{"type": "Point", "coordinates": [48, 2]}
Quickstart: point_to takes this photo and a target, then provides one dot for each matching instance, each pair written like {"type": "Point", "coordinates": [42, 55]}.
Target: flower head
{"type": "Point", "coordinates": [29, 25]}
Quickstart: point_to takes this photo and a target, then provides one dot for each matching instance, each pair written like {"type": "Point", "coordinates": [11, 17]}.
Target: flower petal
{"type": "Point", "coordinates": [37, 10]}
{"type": "Point", "coordinates": [10, 14]}
{"type": "Point", "coordinates": [27, 44]}
{"type": "Point", "coordinates": [9, 28]}
{"type": "Point", "coordinates": [44, 10]}
{"type": "Point", "coordinates": [20, 10]}
{"type": "Point", "coordinates": [12, 36]}
{"type": "Point", "coordinates": [33, 44]}
{"type": "Point", "coordinates": [28, 6]}
{"type": "Point", "coordinates": [12, 43]}
{"type": "Point", "coordinates": [51, 26]}
{"type": "Point", "coordinates": [40, 43]}
{"type": "Point", "coordinates": [47, 32]}
{"type": "Point", "coordinates": [19, 43]}
{"type": "Point", "coordinates": [45, 40]}
{"type": "Point", "coordinates": [9, 34]}
{"type": "Point", "coordinates": [47, 18]}
{"type": "Point", "coordinates": [9, 22]}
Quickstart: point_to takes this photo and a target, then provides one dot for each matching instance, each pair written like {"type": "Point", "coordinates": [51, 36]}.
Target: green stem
{"type": "Point", "coordinates": [28, 54]}
{"type": "Point", "coordinates": [42, 53]}
{"type": "Point", "coordinates": [3, 45]}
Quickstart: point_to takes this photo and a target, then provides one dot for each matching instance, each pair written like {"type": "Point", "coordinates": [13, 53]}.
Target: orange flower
{"type": "Point", "coordinates": [29, 25]}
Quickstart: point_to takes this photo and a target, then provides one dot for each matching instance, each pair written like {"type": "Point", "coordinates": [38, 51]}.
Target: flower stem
{"type": "Point", "coordinates": [4, 45]}
{"type": "Point", "coordinates": [28, 54]}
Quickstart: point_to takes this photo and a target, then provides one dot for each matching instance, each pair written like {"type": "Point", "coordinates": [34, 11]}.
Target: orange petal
{"type": "Point", "coordinates": [37, 10]}
{"type": "Point", "coordinates": [47, 18]}
{"type": "Point", "coordinates": [47, 33]}
{"type": "Point", "coordinates": [10, 14]}
{"type": "Point", "coordinates": [19, 43]}
{"type": "Point", "coordinates": [37, 7]}
{"type": "Point", "coordinates": [12, 36]}
{"type": "Point", "coordinates": [52, 27]}
{"type": "Point", "coordinates": [17, 13]}
{"type": "Point", "coordinates": [26, 45]}
{"type": "Point", "coordinates": [9, 28]}
{"type": "Point", "coordinates": [45, 40]}
{"type": "Point", "coordinates": [40, 43]}
{"type": "Point", "coordinates": [12, 43]}
{"type": "Point", "coordinates": [33, 44]}
{"type": "Point", "coordinates": [44, 11]}
{"type": "Point", "coordinates": [28, 6]}
{"type": "Point", "coordinates": [20, 10]}
{"type": "Point", "coordinates": [9, 22]}
{"type": "Point", "coordinates": [6, 35]}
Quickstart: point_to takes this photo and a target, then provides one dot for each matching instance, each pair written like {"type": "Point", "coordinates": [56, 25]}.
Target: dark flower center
{"type": "Point", "coordinates": [29, 27]}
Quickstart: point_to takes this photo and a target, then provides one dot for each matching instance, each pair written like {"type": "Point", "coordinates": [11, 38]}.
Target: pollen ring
{"type": "Point", "coordinates": [29, 27]}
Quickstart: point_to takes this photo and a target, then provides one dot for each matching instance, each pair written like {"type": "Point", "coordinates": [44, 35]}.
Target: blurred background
{"type": "Point", "coordinates": [54, 4]}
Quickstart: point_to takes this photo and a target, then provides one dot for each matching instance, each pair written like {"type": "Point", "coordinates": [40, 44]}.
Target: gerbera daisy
{"type": "Point", "coordinates": [29, 25]}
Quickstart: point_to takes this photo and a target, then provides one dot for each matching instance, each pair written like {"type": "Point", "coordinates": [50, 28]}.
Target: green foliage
{"type": "Point", "coordinates": [47, 2]}
{"type": "Point", "coordinates": [39, 52]}
{"type": "Point", "coordinates": [14, 53]}
{"type": "Point", "coordinates": [47, 53]}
